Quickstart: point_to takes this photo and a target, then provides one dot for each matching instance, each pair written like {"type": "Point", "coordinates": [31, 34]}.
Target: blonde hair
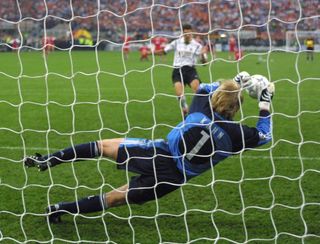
{"type": "Point", "coordinates": [227, 99]}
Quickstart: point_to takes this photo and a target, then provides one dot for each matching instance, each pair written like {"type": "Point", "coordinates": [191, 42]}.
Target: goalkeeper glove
{"type": "Point", "coordinates": [242, 78]}
{"type": "Point", "coordinates": [266, 97]}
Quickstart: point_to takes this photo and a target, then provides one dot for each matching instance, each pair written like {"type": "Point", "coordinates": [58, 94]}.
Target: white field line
{"type": "Point", "coordinates": [245, 156]}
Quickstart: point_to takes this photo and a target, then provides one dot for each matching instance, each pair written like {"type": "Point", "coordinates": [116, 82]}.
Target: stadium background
{"type": "Point", "coordinates": [73, 96]}
{"type": "Point", "coordinates": [143, 20]}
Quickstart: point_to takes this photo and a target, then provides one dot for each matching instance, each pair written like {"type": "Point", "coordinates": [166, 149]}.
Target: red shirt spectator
{"type": "Point", "coordinates": [144, 52]}
{"type": "Point", "coordinates": [159, 43]}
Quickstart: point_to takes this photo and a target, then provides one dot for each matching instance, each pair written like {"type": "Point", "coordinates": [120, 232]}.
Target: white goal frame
{"type": "Point", "coordinates": [295, 40]}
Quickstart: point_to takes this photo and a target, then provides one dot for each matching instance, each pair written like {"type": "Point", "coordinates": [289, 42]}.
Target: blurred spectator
{"type": "Point", "coordinates": [113, 18]}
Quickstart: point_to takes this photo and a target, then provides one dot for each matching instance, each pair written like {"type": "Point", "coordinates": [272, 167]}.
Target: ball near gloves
{"type": "Point", "coordinates": [258, 87]}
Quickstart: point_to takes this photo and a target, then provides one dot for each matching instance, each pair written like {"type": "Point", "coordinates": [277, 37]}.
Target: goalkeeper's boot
{"type": "Point", "coordinates": [53, 215]}
{"type": "Point", "coordinates": [36, 161]}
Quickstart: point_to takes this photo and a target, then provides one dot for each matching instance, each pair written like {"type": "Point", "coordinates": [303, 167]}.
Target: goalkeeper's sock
{"type": "Point", "coordinates": [76, 153]}
{"type": "Point", "coordinates": [86, 205]}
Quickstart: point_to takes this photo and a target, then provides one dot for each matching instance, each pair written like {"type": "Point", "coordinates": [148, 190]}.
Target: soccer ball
{"type": "Point", "coordinates": [256, 84]}
{"type": "Point", "coordinates": [242, 78]}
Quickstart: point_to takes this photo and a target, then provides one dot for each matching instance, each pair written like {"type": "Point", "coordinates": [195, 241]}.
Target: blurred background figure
{"type": "Point", "coordinates": [310, 48]}
{"type": "Point", "coordinates": [144, 52]}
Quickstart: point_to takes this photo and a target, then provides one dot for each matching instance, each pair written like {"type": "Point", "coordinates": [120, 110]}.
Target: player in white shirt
{"type": "Point", "coordinates": [186, 53]}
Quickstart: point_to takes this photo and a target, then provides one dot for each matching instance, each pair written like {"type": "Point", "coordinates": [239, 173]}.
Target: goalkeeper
{"type": "Point", "coordinates": [206, 136]}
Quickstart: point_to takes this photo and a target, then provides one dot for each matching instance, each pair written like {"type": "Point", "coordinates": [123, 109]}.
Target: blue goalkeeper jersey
{"type": "Point", "coordinates": [205, 138]}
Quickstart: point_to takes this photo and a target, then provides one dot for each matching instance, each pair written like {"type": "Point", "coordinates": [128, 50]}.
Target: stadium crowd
{"type": "Point", "coordinates": [165, 16]}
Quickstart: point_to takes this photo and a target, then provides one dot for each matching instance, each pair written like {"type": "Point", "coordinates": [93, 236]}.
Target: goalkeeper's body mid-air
{"type": "Point", "coordinates": [206, 136]}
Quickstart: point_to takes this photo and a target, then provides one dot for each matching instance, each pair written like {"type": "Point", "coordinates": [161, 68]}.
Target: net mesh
{"type": "Point", "coordinates": [90, 88]}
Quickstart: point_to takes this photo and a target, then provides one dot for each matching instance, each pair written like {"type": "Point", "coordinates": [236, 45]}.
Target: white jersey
{"type": "Point", "coordinates": [185, 54]}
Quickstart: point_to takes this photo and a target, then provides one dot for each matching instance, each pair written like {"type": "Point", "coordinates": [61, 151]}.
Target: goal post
{"type": "Point", "coordinates": [295, 40]}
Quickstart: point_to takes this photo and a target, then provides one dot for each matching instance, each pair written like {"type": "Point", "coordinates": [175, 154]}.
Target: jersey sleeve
{"type": "Point", "coordinates": [264, 127]}
{"type": "Point", "coordinates": [208, 88]}
{"type": "Point", "coordinates": [259, 135]}
{"type": "Point", "coordinates": [244, 137]}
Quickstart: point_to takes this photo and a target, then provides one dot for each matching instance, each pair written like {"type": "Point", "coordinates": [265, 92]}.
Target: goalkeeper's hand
{"type": "Point", "coordinates": [266, 97]}
{"type": "Point", "coordinates": [242, 78]}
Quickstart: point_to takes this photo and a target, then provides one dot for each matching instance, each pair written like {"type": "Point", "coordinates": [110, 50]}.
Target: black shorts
{"type": "Point", "coordinates": [158, 173]}
{"type": "Point", "coordinates": [310, 48]}
{"type": "Point", "coordinates": [185, 75]}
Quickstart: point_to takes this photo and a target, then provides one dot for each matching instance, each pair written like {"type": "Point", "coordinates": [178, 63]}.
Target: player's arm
{"type": "Point", "coordinates": [264, 125]}
{"type": "Point", "coordinates": [262, 132]}
{"type": "Point", "coordinates": [169, 47]}
{"type": "Point", "coordinates": [208, 88]}
{"type": "Point", "coordinates": [201, 52]}
{"type": "Point", "coordinates": [203, 55]}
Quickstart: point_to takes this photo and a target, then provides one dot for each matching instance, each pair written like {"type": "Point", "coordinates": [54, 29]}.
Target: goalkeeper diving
{"type": "Point", "coordinates": [207, 136]}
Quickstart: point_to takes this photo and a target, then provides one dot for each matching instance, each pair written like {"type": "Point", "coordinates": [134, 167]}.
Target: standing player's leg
{"type": "Point", "coordinates": [195, 85]}
{"type": "Point", "coordinates": [126, 51]}
{"type": "Point", "coordinates": [192, 78]}
{"type": "Point", "coordinates": [179, 90]}
{"type": "Point", "coordinates": [177, 79]}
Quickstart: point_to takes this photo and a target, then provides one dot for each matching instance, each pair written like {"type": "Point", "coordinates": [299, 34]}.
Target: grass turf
{"type": "Point", "coordinates": [269, 194]}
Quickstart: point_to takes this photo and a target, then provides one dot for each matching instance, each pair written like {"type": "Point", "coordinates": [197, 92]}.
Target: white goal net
{"type": "Point", "coordinates": [75, 71]}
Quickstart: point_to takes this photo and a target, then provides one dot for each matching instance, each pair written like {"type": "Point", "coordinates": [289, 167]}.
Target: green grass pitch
{"type": "Point", "coordinates": [271, 194]}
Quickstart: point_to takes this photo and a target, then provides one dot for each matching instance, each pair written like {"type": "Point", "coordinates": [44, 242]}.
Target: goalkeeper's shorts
{"type": "Point", "coordinates": [157, 172]}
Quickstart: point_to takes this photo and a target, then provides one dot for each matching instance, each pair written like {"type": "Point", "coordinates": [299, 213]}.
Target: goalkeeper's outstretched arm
{"type": "Point", "coordinates": [264, 124]}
